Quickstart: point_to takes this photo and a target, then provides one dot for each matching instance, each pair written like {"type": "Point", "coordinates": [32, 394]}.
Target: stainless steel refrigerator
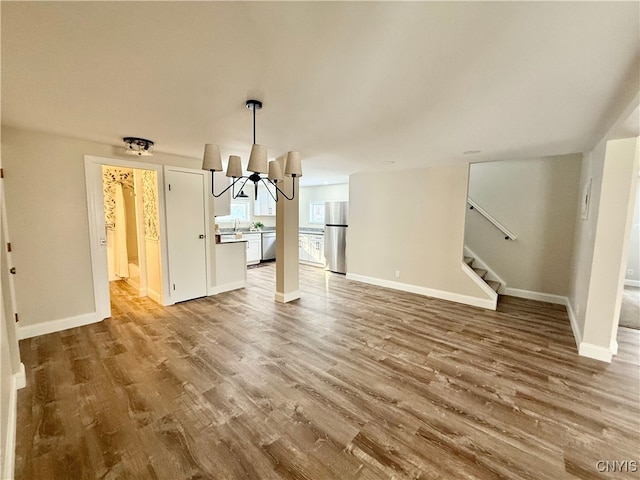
{"type": "Point", "coordinates": [336, 215]}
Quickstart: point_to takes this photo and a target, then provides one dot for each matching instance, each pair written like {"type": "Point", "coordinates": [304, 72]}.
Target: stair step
{"type": "Point", "coordinates": [481, 272]}
{"type": "Point", "coordinates": [493, 284]}
{"type": "Point", "coordinates": [468, 260]}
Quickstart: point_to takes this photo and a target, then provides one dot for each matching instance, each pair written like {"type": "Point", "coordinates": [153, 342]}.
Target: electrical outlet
{"type": "Point", "coordinates": [397, 273]}
{"type": "Point", "coordinates": [630, 272]}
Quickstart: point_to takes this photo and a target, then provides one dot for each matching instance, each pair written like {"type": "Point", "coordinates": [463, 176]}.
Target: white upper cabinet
{"type": "Point", "coordinates": [265, 205]}
{"type": "Point", "coordinates": [222, 204]}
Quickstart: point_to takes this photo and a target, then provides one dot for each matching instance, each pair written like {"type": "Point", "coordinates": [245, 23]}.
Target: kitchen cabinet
{"type": "Point", "coordinates": [303, 248]}
{"type": "Point", "coordinates": [221, 204]}
{"type": "Point", "coordinates": [265, 205]}
{"type": "Point", "coordinates": [311, 248]}
{"type": "Point", "coordinates": [254, 247]}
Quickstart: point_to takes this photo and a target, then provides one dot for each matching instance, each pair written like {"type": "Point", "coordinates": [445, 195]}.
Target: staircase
{"type": "Point", "coordinates": [482, 273]}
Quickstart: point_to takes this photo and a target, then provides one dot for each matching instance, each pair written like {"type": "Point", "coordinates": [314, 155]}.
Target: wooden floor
{"type": "Point", "coordinates": [349, 382]}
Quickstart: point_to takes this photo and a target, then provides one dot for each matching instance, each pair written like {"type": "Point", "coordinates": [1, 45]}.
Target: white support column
{"type": "Point", "coordinates": [287, 223]}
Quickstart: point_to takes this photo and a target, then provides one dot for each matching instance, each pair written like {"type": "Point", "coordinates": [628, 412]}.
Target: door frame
{"type": "Point", "coordinates": [205, 201]}
{"type": "Point", "coordinates": [95, 209]}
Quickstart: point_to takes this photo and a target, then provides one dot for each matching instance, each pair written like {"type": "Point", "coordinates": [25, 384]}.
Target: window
{"type": "Point", "coordinates": [316, 212]}
{"type": "Point", "coordinates": [238, 211]}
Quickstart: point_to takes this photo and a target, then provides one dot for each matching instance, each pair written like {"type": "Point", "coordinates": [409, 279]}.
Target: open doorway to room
{"type": "Point", "coordinates": [131, 226]}
{"type": "Point", "coordinates": [129, 191]}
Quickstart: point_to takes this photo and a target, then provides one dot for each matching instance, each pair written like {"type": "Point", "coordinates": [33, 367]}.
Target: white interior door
{"type": "Point", "coordinates": [186, 227]}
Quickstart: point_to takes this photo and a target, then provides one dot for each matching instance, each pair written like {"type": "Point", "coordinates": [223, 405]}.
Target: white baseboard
{"type": "Point", "coordinates": [541, 297]}
{"type": "Point", "coordinates": [52, 326]}
{"type": "Point", "coordinates": [632, 283]}
{"type": "Point", "coordinates": [574, 324]}
{"type": "Point", "coordinates": [595, 351]}
{"type": "Point", "coordinates": [142, 292]}
{"type": "Point", "coordinates": [155, 296]}
{"type": "Point", "coordinates": [588, 349]}
{"type": "Point", "coordinates": [287, 297]}
{"type": "Point", "coordinates": [9, 454]}
{"type": "Point", "coordinates": [21, 377]}
{"type": "Point", "coordinates": [428, 292]}
{"type": "Point", "coordinates": [227, 287]}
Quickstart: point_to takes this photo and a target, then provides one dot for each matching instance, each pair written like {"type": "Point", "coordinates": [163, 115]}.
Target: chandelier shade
{"type": "Point", "coordinates": [234, 169]}
{"type": "Point", "coordinates": [294, 165]}
{"type": "Point", "coordinates": [275, 172]}
{"type": "Point", "coordinates": [258, 159]}
{"type": "Point", "coordinates": [211, 160]}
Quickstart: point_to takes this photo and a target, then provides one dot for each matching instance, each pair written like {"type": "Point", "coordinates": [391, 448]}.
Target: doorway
{"type": "Point", "coordinates": [131, 220]}
{"type": "Point", "coordinates": [148, 253]}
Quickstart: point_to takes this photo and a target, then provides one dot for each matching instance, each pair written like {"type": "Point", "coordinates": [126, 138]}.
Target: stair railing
{"type": "Point", "coordinates": [474, 206]}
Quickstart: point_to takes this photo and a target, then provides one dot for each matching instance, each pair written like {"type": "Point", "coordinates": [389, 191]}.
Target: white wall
{"type": "Point", "coordinates": [11, 375]}
{"type": "Point", "coordinates": [600, 247]}
{"type": "Point", "coordinates": [321, 193]}
{"type": "Point", "coordinates": [536, 200]}
{"type": "Point", "coordinates": [633, 258]}
{"type": "Point", "coordinates": [412, 222]}
{"type": "Point", "coordinates": [6, 387]}
{"type": "Point", "coordinates": [47, 211]}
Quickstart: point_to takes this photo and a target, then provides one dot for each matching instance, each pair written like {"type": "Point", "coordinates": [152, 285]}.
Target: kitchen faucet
{"type": "Point", "coordinates": [236, 225]}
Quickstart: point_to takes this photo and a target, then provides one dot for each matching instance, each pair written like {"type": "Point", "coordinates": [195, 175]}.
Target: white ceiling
{"type": "Point", "coordinates": [349, 85]}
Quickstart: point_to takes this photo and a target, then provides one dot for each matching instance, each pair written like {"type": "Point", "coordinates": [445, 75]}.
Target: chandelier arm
{"type": "Point", "coordinates": [268, 182]}
{"type": "Point", "coordinates": [293, 192]}
{"type": "Point", "coordinates": [235, 180]}
{"type": "Point", "coordinates": [246, 179]}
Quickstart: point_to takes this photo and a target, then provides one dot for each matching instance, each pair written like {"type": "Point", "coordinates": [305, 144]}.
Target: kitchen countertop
{"type": "Point", "coordinates": [234, 240]}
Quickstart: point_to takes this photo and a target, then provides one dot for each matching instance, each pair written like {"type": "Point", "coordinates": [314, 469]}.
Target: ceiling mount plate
{"type": "Point", "coordinates": [254, 104]}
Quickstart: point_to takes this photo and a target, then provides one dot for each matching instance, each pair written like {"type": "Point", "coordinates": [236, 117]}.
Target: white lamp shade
{"type": "Point", "coordinates": [258, 159]}
{"type": "Point", "coordinates": [211, 159]}
{"type": "Point", "coordinates": [294, 165]}
{"type": "Point", "coordinates": [234, 169]}
{"type": "Point", "coordinates": [275, 171]}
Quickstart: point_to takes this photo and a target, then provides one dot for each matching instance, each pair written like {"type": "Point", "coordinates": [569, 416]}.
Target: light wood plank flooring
{"type": "Point", "coordinates": [350, 382]}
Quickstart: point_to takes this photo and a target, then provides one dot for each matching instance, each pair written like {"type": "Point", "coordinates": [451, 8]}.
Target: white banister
{"type": "Point", "coordinates": [496, 223]}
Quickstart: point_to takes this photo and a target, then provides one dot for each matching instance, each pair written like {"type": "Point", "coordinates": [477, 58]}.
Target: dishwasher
{"type": "Point", "coordinates": [268, 246]}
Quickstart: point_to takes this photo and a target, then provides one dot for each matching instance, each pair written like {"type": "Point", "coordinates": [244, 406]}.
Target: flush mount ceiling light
{"type": "Point", "coordinates": [257, 164]}
{"type": "Point", "coordinates": [138, 146]}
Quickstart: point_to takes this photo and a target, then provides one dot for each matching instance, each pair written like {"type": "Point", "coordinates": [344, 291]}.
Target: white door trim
{"type": "Point", "coordinates": [95, 205]}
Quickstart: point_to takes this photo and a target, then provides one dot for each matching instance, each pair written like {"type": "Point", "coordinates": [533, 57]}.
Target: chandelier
{"type": "Point", "coordinates": [258, 165]}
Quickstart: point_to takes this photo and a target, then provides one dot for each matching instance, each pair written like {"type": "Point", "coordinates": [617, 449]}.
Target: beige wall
{"type": "Point", "coordinates": [633, 257]}
{"type": "Point", "coordinates": [321, 193]}
{"type": "Point", "coordinates": [536, 200]}
{"type": "Point", "coordinates": [412, 222]}
{"type": "Point", "coordinates": [47, 211]}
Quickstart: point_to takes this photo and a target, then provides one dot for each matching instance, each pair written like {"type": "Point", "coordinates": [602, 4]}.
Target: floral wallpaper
{"type": "Point", "coordinates": [150, 204]}
{"type": "Point", "coordinates": [110, 177]}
